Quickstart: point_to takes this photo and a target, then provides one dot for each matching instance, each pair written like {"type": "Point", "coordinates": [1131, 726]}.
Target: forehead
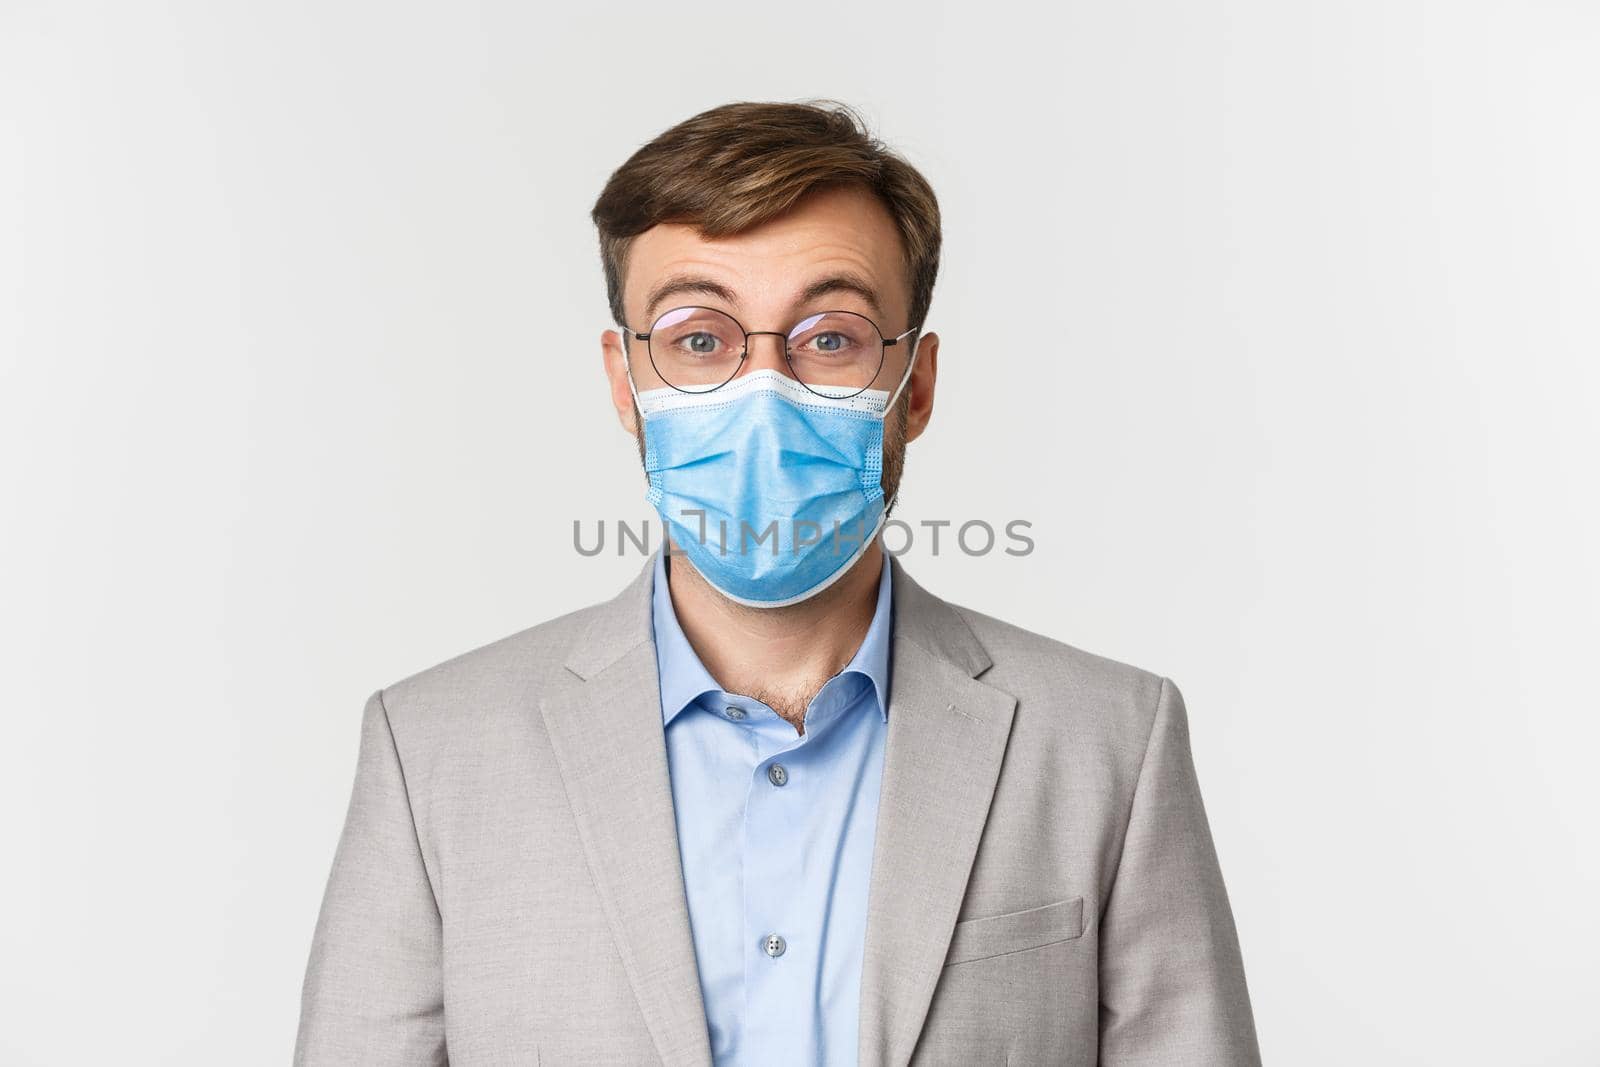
{"type": "Point", "coordinates": [835, 230]}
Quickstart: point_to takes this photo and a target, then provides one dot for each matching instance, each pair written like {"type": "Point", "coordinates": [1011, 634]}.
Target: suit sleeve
{"type": "Point", "coordinates": [373, 992]}
{"type": "Point", "coordinates": [1172, 984]}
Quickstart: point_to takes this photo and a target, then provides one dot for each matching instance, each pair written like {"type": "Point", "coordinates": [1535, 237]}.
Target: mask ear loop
{"type": "Point", "coordinates": [906, 377]}
{"type": "Point", "coordinates": [627, 368]}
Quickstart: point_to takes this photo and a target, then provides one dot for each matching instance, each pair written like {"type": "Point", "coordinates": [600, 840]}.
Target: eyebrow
{"type": "Point", "coordinates": [700, 284]}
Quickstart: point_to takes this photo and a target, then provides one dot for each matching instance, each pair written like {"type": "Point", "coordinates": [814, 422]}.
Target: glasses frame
{"type": "Point", "coordinates": [883, 349]}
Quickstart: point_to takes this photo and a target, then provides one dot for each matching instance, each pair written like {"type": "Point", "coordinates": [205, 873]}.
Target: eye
{"type": "Point", "coordinates": [700, 343]}
{"type": "Point", "coordinates": [829, 343]}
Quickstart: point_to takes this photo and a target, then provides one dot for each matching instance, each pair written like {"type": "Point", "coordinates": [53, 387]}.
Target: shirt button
{"type": "Point", "coordinates": [774, 945]}
{"type": "Point", "coordinates": [776, 774]}
{"type": "Point", "coordinates": [733, 712]}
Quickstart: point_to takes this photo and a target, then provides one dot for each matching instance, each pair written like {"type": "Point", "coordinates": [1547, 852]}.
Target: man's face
{"type": "Point", "coordinates": [760, 278]}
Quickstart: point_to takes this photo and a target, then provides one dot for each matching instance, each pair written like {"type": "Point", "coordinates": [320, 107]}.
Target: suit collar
{"type": "Point", "coordinates": [615, 627]}
{"type": "Point", "coordinates": [935, 626]}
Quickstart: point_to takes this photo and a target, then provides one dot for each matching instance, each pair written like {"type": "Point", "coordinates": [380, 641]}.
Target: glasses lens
{"type": "Point", "coordinates": [836, 353]}
{"type": "Point", "coordinates": [695, 349]}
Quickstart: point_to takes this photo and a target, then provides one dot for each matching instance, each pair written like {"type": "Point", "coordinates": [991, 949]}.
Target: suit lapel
{"type": "Point", "coordinates": [947, 735]}
{"type": "Point", "coordinates": [604, 722]}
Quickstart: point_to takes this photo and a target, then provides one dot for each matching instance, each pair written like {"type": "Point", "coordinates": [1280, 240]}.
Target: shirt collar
{"type": "Point", "coordinates": [684, 679]}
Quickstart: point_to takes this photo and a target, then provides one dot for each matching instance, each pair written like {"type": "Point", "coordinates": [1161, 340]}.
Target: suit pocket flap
{"type": "Point", "coordinates": [994, 935]}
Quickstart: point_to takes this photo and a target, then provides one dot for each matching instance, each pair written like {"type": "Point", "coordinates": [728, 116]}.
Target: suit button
{"type": "Point", "coordinates": [776, 774]}
{"type": "Point", "coordinates": [774, 945]}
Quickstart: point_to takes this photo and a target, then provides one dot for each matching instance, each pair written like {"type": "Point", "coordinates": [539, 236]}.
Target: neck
{"type": "Point", "coordinates": [780, 656]}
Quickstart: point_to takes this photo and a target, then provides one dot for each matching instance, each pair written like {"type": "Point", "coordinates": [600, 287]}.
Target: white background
{"type": "Point", "coordinates": [1278, 322]}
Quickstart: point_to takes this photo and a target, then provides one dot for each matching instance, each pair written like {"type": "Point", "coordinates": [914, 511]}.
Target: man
{"type": "Point", "coordinates": [774, 802]}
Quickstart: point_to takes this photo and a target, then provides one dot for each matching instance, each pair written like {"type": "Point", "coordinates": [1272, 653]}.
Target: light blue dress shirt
{"type": "Point", "coordinates": [776, 833]}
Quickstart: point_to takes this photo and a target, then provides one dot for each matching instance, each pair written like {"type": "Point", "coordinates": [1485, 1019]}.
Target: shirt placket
{"type": "Point", "coordinates": [781, 885]}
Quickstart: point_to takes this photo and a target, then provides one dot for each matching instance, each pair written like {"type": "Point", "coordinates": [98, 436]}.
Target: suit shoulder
{"type": "Point", "coordinates": [490, 675]}
{"type": "Point", "coordinates": [1096, 692]}
{"type": "Point", "coordinates": [1014, 648]}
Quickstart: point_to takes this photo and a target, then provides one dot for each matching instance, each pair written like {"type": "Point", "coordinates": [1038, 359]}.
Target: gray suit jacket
{"type": "Point", "coordinates": [507, 888]}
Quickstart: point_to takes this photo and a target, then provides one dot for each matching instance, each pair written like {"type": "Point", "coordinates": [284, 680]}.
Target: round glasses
{"type": "Point", "coordinates": [832, 353]}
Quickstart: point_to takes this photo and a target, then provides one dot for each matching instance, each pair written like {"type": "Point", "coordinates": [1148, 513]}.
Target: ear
{"type": "Point", "coordinates": [616, 364]}
{"type": "Point", "coordinates": [924, 373]}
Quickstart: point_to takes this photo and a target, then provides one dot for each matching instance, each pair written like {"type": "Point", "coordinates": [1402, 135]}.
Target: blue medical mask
{"type": "Point", "coordinates": [770, 490]}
